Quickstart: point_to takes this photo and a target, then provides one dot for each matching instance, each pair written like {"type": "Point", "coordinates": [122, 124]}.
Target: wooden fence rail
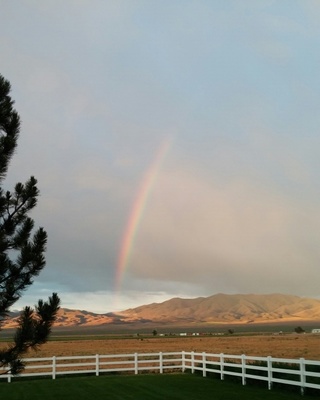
{"type": "Point", "coordinates": [298, 372]}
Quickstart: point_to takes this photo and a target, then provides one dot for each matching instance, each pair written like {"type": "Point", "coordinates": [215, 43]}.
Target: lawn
{"type": "Point", "coordinates": [141, 387]}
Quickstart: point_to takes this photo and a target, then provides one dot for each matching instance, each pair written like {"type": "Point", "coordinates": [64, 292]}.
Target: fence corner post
{"type": "Point", "coordinates": [302, 375]}
{"type": "Point", "coordinates": [243, 369]}
{"type": "Point", "coordinates": [97, 364]}
{"type": "Point", "coordinates": [54, 367]}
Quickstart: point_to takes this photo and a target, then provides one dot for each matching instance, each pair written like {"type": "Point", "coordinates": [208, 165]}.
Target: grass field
{"type": "Point", "coordinates": [142, 387]}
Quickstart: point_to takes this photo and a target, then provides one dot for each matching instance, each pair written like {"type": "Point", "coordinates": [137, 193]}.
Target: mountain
{"type": "Point", "coordinates": [223, 308]}
{"type": "Point", "coordinates": [72, 318]}
{"type": "Point", "coordinates": [217, 309]}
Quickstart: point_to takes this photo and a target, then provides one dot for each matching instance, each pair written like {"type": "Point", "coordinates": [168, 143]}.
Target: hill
{"type": "Point", "coordinates": [222, 308]}
{"type": "Point", "coordinates": [216, 309]}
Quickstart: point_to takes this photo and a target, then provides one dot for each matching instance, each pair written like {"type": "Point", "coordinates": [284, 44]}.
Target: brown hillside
{"type": "Point", "coordinates": [219, 308]}
{"type": "Point", "coordinates": [224, 308]}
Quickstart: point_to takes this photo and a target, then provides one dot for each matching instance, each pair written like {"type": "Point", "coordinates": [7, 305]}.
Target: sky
{"type": "Point", "coordinates": [175, 143]}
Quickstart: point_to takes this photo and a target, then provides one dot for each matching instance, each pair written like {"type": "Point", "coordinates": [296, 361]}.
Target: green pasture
{"type": "Point", "coordinates": [141, 387]}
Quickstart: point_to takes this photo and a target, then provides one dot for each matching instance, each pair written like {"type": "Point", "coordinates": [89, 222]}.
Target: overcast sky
{"type": "Point", "coordinates": [230, 89]}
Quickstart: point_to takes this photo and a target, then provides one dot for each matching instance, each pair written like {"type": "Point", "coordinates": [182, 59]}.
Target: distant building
{"type": "Point", "coordinates": [317, 330]}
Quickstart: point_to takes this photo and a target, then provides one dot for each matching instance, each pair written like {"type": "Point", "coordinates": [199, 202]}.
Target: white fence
{"type": "Point", "coordinates": [296, 372]}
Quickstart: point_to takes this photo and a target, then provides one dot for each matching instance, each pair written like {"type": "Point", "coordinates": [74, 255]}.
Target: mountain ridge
{"type": "Point", "coordinates": [222, 308]}
{"type": "Point", "coordinates": [216, 309]}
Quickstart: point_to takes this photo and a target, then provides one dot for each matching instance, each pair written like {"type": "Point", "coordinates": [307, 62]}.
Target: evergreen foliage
{"type": "Point", "coordinates": [21, 250]}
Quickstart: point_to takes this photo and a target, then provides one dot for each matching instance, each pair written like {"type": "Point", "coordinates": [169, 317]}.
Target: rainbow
{"type": "Point", "coordinates": [137, 210]}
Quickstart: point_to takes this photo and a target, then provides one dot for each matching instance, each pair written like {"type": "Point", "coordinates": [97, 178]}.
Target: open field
{"type": "Point", "coordinates": [143, 387]}
{"type": "Point", "coordinates": [284, 346]}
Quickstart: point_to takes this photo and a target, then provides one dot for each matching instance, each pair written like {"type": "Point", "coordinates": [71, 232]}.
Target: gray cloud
{"type": "Point", "coordinates": [235, 205]}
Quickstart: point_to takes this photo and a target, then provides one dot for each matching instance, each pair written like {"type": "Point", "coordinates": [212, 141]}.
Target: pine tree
{"type": "Point", "coordinates": [21, 249]}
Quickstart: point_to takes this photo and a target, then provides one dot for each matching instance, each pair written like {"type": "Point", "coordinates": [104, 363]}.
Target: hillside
{"type": "Point", "coordinates": [72, 318]}
{"type": "Point", "coordinates": [222, 308]}
{"type": "Point", "coordinates": [219, 308]}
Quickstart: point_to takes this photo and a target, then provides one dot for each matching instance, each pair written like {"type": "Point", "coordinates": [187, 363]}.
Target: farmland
{"type": "Point", "coordinates": [284, 346]}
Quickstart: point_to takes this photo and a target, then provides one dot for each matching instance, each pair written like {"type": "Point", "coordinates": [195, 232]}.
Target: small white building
{"type": "Point", "coordinates": [317, 330]}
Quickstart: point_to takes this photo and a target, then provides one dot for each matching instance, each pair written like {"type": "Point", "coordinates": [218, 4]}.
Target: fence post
{"type": "Point", "coordinates": [54, 367]}
{"type": "Point", "coordinates": [192, 362]}
{"type": "Point", "coordinates": [221, 366]}
{"type": "Point", "coordinates": [183, 354]}
{"type": "Point", "coordinates": [302, 375]}
{"type": "Point", "coordinates": [269, 365]}
{"type": "Point", "coordinates": [97, 364]}
{"type": "Point", "coordinates": [136, 363]}
{"type": "Point", "coordinates": [243, 368]}
{"type": "Point", "coordinates": [161, 362]}
{"type": "Point", "coordinates": [204, 366]}
{"type": "Point", "coordinates": [9, 374]}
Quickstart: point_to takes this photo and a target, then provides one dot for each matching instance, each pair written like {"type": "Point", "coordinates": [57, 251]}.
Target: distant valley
{"type": "Point", "coordinates": [217, 309]}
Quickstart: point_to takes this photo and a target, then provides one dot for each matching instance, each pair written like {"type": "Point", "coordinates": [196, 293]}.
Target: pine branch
{"type": "Point", "coordinates": [33, 330]}
{"type": "Point", "coordinates": [21, 256]}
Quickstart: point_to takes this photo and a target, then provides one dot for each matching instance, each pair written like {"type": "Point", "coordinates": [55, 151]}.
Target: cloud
{"type": "Point", "coordinates": [240, 235]}
{"type": "Point", "coordinates": [99, 85]}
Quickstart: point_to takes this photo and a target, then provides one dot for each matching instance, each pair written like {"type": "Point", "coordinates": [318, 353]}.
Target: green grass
{"type": "Point", "coordinates": [141, 387]}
